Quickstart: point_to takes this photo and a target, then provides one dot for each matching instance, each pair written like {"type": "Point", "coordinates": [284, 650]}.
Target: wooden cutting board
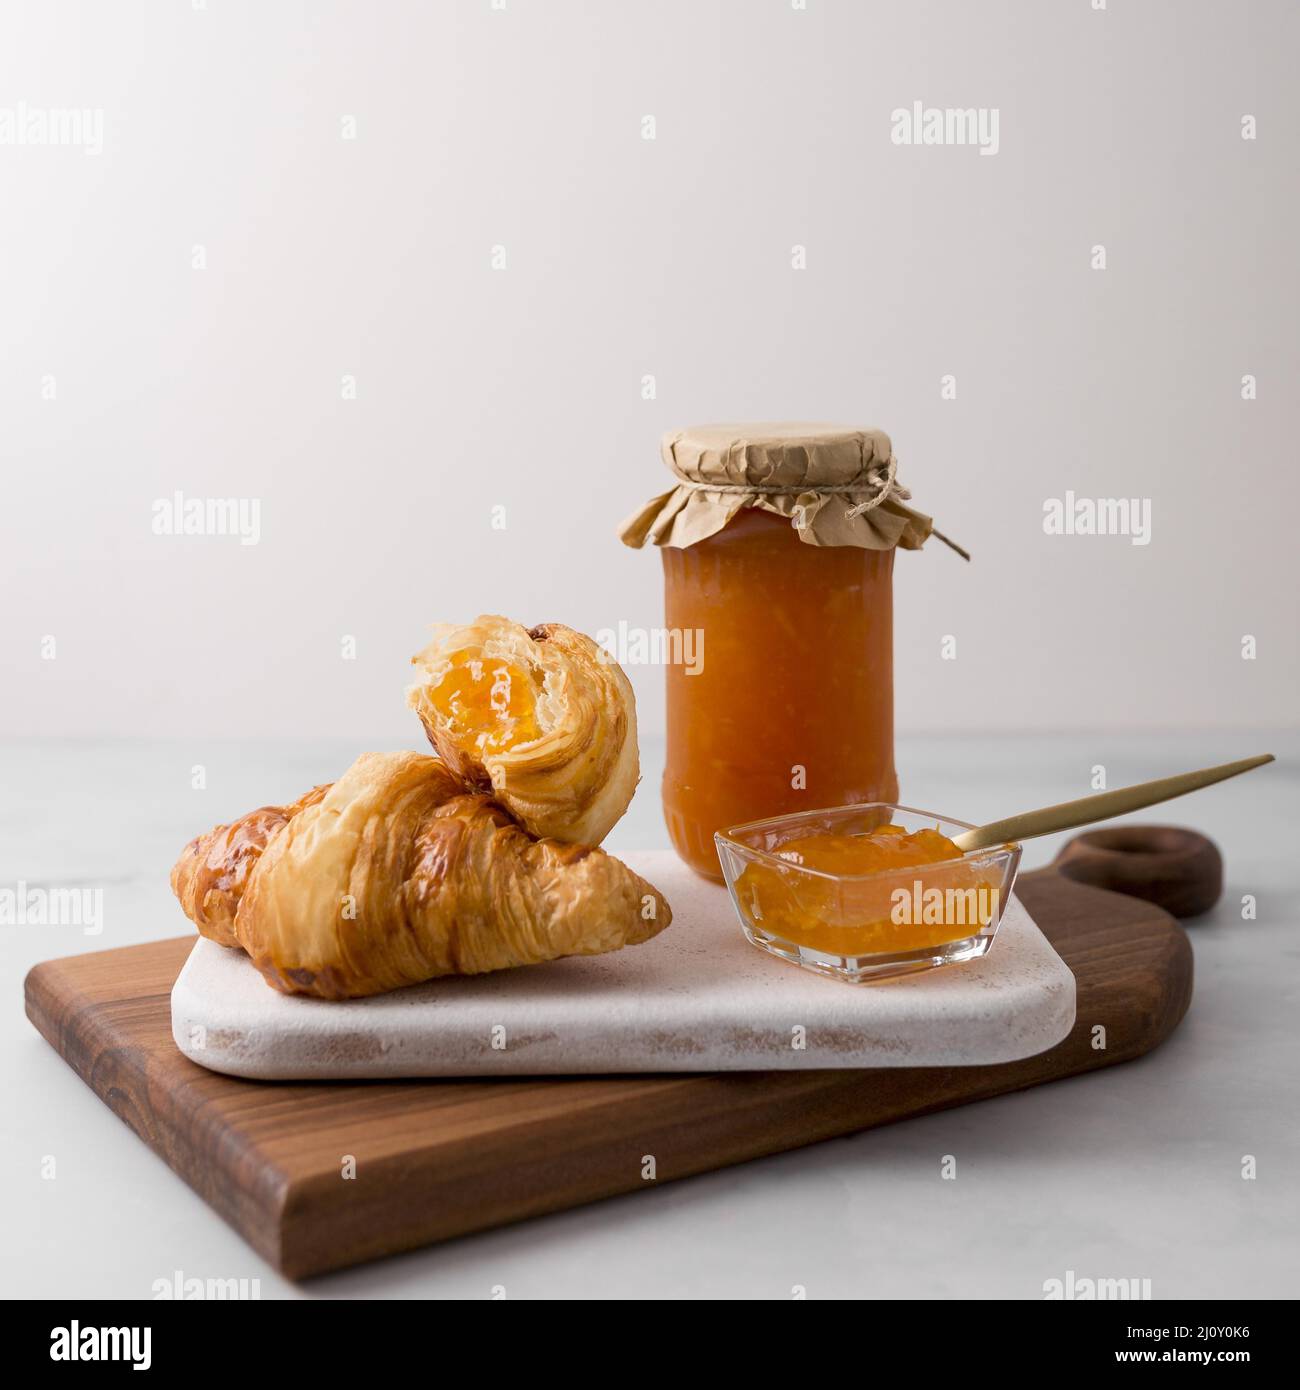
{"type": "Point", "coordinates": [435, 1159]}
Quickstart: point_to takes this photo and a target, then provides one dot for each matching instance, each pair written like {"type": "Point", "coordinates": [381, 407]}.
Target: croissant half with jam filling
{"type": "Point", "coordinates": [396, 874]}
{"type": "Point", "coordinates": [543, 717]}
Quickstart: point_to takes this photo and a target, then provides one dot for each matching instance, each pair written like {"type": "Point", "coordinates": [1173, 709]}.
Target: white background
{"type": "Point", "coordinates": [521, 388]}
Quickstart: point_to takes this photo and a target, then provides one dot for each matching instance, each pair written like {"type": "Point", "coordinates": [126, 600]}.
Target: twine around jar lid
{"type": "Point", "coordinates": [800, 471]}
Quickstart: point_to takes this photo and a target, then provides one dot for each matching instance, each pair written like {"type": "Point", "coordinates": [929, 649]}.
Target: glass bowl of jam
{"type": "Point", "coordinates": [865, 892]}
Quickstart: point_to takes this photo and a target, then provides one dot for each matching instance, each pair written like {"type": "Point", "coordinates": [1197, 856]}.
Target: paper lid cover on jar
{"type": "Point", "coordinates": [838, 486]}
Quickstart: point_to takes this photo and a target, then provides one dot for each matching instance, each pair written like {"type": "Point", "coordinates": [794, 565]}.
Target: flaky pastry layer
{"type": "Point", "coordinates": [397, 874]}
{"type": "Point", "coordinates": [573, 779]}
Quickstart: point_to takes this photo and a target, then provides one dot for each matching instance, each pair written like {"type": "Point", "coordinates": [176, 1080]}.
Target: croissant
{"type": "Point", "coordinates": [397, 874]}
{"type": "Point", "coordinates": [542, 716]}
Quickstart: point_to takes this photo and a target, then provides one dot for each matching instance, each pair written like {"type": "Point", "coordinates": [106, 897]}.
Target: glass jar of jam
{"type": "Point", "coordinates": [791, 706]}
{"type": "Point", "coordinates": [778, 554]}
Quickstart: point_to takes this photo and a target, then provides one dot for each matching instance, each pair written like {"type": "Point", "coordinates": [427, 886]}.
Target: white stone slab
{"type": "Point", "coordinates": [698, 997]}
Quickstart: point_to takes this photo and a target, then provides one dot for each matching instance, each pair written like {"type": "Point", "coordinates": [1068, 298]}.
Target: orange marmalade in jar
{"type": "Point", "coordinates": [778, 551]}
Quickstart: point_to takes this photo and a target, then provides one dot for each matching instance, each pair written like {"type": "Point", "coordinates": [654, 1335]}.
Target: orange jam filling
{"type": "Point", "coordinates": [944, 899]}
{"type": "Point", "coordinates": [887, 847]}
{"type": "Point", "coordinates": [487, 705]}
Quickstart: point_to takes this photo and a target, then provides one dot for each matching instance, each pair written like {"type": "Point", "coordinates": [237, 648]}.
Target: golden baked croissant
{"type": "Point", "coordinates": [542, 716]}
{"type": "Point", "coordinates": [396, 874]}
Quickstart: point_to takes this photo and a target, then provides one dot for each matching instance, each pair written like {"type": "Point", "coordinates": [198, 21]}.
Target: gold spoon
{"type": "Point", "coordinates": [1089, 809]}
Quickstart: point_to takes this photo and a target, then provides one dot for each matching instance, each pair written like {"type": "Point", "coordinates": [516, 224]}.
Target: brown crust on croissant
{"type": "Point", "coordinates": [210, 876]}
{"type": "Point", "coordinates": [394, 875]}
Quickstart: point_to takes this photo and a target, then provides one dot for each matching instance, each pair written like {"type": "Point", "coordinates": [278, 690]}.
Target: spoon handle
{"type": "Point", "coordinates": [1089, 809]}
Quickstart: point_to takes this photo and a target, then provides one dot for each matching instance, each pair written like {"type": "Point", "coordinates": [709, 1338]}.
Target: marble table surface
{"type": "Point", "coordinates": [1141, 1171]}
